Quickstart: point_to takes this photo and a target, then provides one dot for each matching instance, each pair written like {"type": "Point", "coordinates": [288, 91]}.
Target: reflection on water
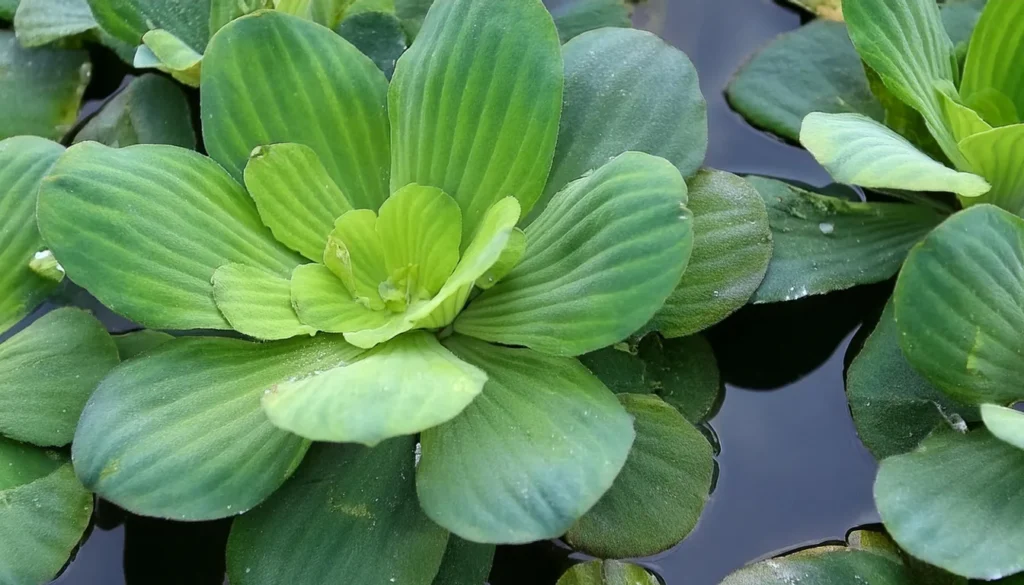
{"type": "Point", "coordinates": [792, 470]}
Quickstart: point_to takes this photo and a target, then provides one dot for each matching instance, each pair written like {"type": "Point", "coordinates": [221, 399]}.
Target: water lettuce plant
{"type": "Point", "coordinates": [421, 261]}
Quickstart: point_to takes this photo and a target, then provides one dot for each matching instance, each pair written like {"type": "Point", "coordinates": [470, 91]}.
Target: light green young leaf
{"type": "Point", "coordinates": [38, 22]}
{"type": "Point", "coordinates": [823, 244]}
{"type": "Point", "coordinates": [41, 88]}
{"type": "Point", "coordinates": [575, 17]}
{"type": "Point", "coordinates": [45, 513]}
{"type": "Point", "coordinates": [731, 250]}
{"type": "Point", "coordinates": [995, 54]}
{"type": "Point", "coordinates": [475, 104]}
{"type": "Point", "coordinates": [857, 150]}
{"type": "Point", "coordinates": [626, 90]}
{"type": "Point", "coordinates": [600, 261]}
{"type": "Point", "coordinates": [343, 117]}
{"type": "Point", "coordinates": [509, 259]}
{"type": "Point", "coordinates": [963, 121]}
{"type": "Point", "coordinates": [960, 306]}
{"type": "Point", "coordinates": [994, 107]}
{"type": "Point", "coordinates": [129, 20]}
{"type": "Point", "coordinates": [321, 301]}
{"type": "Point", "coordinates": [48, 371]}
{"type": "Point", "coordinates": [465, 563]}
{"type": "Point", "coordinates": [421, 230]}
{"type": "Point", "coordinates": [660, 493]}
{"type": "Point", "coordinates": [906, 44]}
{"type": "Point", "coordinates": [187, 218]}
{"type": "Point", "coordinates": [355, 254]}
{"type": "Point", "coordinates": [179, 432]}
{"type": "Point", "coordinates": [1006, 424]}
{"type": "Point", "coordinates": [324, 12]}
{"type": "Point", "coordinates": [348, 516]}
{"type": "Point", "coordinates": [406, 385]}
{"type": "Point", "coordinates": [296, 197]}
{"type": "Point", "coordinates": [224, 11]}
{"type": "Point", "coordinates": [998, 155]}
{"type": "Point", "coordinates": [530, 455]}
{"type": "Point", "coordinates": [954, 503]}
{"type": "Point", "coordinates": [24, 160]}
{"type": "Point", "coordinates": [607, 573]}
{"type": "Point", "coordinates": [150, 110]}
{"type": "Point", "coordinates": [257, 303]}
{"type": "Point", "coordinates": [811, 69]}
{"type": "Point", "coordinates": [171, 55]}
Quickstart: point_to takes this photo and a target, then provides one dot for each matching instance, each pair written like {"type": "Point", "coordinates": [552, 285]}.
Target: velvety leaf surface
{"type": "Point", "coordinates": [530, 455]}
{"type": "Point", "coordinates": [1006, 424]}
{"type": "Point", "coordinates": [660, 493]}
{"type": "Point", "coordinates": [321, 301]}
{"type": "Point", "coordinates": [129, 20]}
{"type": "Point", "coordinates": [997, 155]}
{"type": "Point", "coordinates": [893, 406]}
{"type": "Point", "coordinates": [378, 35]}
{"type": "Point", "coordinates": [575, 17]}
{"type": "Point", "coordinates": [348, 515]}
{"type": "Point", "coordinates": [24, 160]}
{"type": "Point", "coordinates": [41, 88]}
{"type": "Point", "coordinates": [954, 503]}
{"type": "Point", "coordinates": [682, 372]}
{"type": "Point", "coordinates": [133, 344]}
{"type": "Point", "coordinates": [607, 573]}
{"type": "Point", "coordinates": [960, 306]}
{"type": "Point", "coordinates": [811, 69]}
{"type": "Point", "coordinates": [825, 565]}
{"type": "Point", "coordinates": [44, 514]}
{"type": "Point", "coordinates": [824, 244]}
{"type": "Point", "coordinates": [465, 563]}
{"type": "Point", "coordinates": [732, 247]}
{"type": "Point", "coordinates": [343, 117]}
{"type": "Point", "coordinates": [179, 432]}
{"type": "Point", "coordinates": [857, 150]}
{"type": "Point", "coordinates": [402, 387]}
{"type": "Point", "coordinates": [144, 228]}
{"type": "Point", "coordinates": [257, 303]}
{"type": "Point", "coordinates": [475, 104]}
{"type": "Point", "coordinates": [48, 371]}
{"type": "Point", "coordinates": [151, 110]}
{"type": "Point", "coordinates": [626, 90]}
{"type": "Point", "coordinates": [38, 22]}
{"type": "Point", "coordinates": [599, 262]}
{"type": "Point", "coordinates": [996, 46]}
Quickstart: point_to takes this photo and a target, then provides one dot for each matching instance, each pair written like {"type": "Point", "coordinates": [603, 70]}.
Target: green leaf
{"type": "Point", "coordinates": [811, 69]}
{"type": "Point", "coordinates": [475, 104]}
{"type": "Point", "coordinates": [682, 372]}
{"type": "Point", "coordinates": [600, 261]}
{"type": "Point", "coordinates": [412, 13]}
{"type": "Point", "coordinates": [996, 155]}
{"type": "Point", "coordinates": [135, 343]}
{"type": "Point", "coordinates": [295, 196]}
{"type": "Point", "coordinates": [997, 46]}
{"type": "Point", "coordinates": [626, 90]}
{"type": "Point", "coordinates": [811, 231]}
{"type": "Point", "coordinates": [378, 35]}
{"type": "Point", "coordinates": [187, 218]}
{"type": "Point", "coordinates": [257, 303]}
{"type": "Point", "coordinates": [906, 44]}
{"type": "Point", "coordinates": [465, 563]}
{"type": "Point", "coordinates": [129, 20]}
{"type": "Point", "coordinates": [955, 503]}
{"type": "Point", "coordinates": [323, 12]}
{"type": "Point", "coordinates": [732, 247]}
{"type": "Point", "coordinates": [342, 117]}
{"type": "Point", "coordinates": [960, 306]}
{"type": "Point", "coordinates": [348, 516]}
{"type": "Point", "coordinates": [406, 385]}
{"type": "Point", "coordinates": [530, 455]}
{"type": "Point", "coordinates": [963, 121]}
{"type": "Point", "coordinates": [856, 150]}
{"type": "Point", "coordinates": [41, 89]}
{"type": "Point", "coordinates": [150, 110]}
{"type": "Point", "coordinates": [166, 52]}
{"type": "Point", "coordinates": [48, 371]}
{"type": "Point", "coordinates": [607, 573]}
{"type": "Point", "coordinates": [893, 406]}
{"type": "Point", "coordinates": [224, 11]}
{"type": "Point", "coordinates": [355, 254]}
{"type": "Point", "coordinates": [45, 513]}
{"type": "Point", "coordinates": [826, 565]}
{"type": "Point", "coordinates": [665, 483]}
{"type": "Point", "coordinates": [179, 432]}
{"type": "Point", "coordinates": [575, 17]}
{"type": "Point", "coordinates": [8, 8]}
{"type": "Point", "coordinates": [321, 301]}
{"type": "Point", "coordinates": [38, 22]}
{"type": "Point", "coordinates": [1006, 424]}
{"type": "Point", "coordinates": [24, 160]}
{"type": "Point", "coordinates": [510, 257]}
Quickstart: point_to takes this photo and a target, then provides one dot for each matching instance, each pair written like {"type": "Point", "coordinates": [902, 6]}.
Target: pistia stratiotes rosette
{"type": "Point", "coordinates": [389, 221]}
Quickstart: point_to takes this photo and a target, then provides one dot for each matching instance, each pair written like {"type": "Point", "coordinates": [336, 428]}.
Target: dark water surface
{"type": "Point", "coordinates": [792, 470]}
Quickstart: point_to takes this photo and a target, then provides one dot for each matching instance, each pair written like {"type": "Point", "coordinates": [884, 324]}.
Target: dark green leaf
{"type": "Point", "coordinates": [38, 22]}
{"type": "Point", "coordinates": [129, 20]}
{"type": "Point", "coordinates": [133, 344]}
{"type": "Point", "coordinates": [827, 565]}
{"type": "Point", "coordinates": [378, 35]}
{"type": "Point", "coordinates": [465, 563]}
{"type": "Point", "coordinates": [151, 110]}
{"type": "Point", "coordinates": [575, 17]}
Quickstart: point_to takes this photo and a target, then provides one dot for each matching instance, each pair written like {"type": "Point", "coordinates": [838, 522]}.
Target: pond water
{"type": "Point", "coordinates": [791, 469]}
